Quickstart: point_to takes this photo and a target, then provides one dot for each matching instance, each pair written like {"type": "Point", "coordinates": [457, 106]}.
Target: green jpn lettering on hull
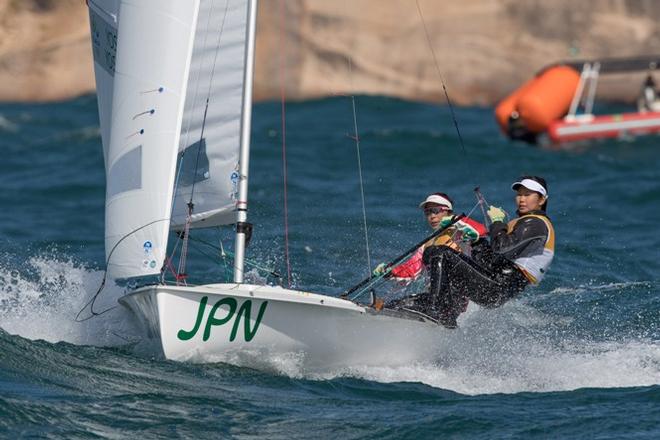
{"type": "Point", "coordinates": [244, 311]}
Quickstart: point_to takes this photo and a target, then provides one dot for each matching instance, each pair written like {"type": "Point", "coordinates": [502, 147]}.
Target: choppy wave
{"type": "Point", "coordinates": [41, 299]}
{"type": "Point", "coordinates": [7, 125]}
{"type": "Point", "coordinates": [593, 322]}
{"type": "Point", "coordinates": [513, 349]}
{"type": "Point", "coordinates": [609, 287]}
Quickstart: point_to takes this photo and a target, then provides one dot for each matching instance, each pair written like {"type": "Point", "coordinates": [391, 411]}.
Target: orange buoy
{"type": "Point", "coordinates": [548, 98]}
{"type": "Point", "coordinates": [509, 105]}
{"type": "Point", "coordinates": [541, 100]}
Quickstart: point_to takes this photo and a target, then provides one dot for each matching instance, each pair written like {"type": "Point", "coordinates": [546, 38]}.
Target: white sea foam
{"type": "Point", "coordinates": [7, 125]}
{"type": "Point", "coordinates": [534, 369]}
{"type": "Point", "coordinates": [517, 349]}
{"type": "Point", "coordinates": [512, 349]}
{"type": "Point", "coordinates": [601, 287]}
{"type": "Point", "coordinates": [41, 300]}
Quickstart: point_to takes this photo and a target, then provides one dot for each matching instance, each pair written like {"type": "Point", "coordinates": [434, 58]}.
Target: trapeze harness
{"type": "Point", "coordinates": [519, 254]}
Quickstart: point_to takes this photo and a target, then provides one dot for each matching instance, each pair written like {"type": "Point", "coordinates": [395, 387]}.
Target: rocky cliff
{"type": "Point", "coordinates": [483, 48]}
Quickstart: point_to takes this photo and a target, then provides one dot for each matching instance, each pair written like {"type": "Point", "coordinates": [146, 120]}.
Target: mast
{"type": "Point", "coordinates": [246, 119]}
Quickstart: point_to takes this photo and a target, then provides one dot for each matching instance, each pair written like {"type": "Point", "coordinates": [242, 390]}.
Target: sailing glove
{"type": "Point", "coordinates": [496, 214]}
{"type": "Point", "coordinates": [445, 221]}
{"type": "Point", "coordinates": [380, 270]}
{"type": "Point", "coordinates": [468, 232]}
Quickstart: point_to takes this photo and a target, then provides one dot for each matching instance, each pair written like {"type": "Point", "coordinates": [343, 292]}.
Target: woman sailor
{"type": "Point", "coordinates": [438, 209]}
{"type": "Point", "coordinates": [460, 237]}
{"type": "Point", "coordinates": [519, 254]}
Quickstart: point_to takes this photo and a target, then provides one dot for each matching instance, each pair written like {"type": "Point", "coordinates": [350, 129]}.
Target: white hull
{"type": "Point", "coordinates": [248, 325]}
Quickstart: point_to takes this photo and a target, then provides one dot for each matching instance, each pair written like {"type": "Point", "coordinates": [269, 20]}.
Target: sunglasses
{"type": "Point", "coordinates": [435, 210]}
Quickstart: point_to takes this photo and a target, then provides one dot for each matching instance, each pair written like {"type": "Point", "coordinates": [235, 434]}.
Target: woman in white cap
{"type": "Point", "coordinates": [519, 254]}
{"type": "Point", "coordinates": [438, 211]}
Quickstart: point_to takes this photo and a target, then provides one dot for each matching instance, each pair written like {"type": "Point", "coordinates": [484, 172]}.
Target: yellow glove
{"type": "Point", "coordinates": [496, 214]}
{"type": "Point", "coordinates": [379, 270]}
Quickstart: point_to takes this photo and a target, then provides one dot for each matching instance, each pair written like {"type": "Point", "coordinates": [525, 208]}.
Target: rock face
{"type": "Point", "coordinates": [45, 53]}
{"type": "Point", "coordinates": [482, 49]}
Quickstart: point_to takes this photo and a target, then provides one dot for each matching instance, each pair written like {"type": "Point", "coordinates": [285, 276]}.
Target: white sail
{"type": "Point", "coordinates": [210, 137]}
{"type": "Point", "coordinates": [142, 51]}
{"type": "Point", "coordinates": [103, 19]}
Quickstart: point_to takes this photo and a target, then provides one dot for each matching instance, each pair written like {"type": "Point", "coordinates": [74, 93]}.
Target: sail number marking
{"type": "Point", "coordinates": [104, 42]}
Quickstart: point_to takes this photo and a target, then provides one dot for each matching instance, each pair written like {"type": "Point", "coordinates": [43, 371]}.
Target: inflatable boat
{"type": "Point", "coordinates": [558, 104]}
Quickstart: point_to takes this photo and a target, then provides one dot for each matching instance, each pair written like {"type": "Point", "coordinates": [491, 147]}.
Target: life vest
{"type": "Point", "coordinates": [453, 237]}
{"type": "Point", "coordinates": [413, 266]}
{"type": "Point", "coordinates": [534, 266]}
{"type": "Point", "coordinates": [444, 239]}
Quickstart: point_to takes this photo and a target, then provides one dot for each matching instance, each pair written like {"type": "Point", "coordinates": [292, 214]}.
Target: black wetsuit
{"type": "Point", "coordinates": [489, 277]}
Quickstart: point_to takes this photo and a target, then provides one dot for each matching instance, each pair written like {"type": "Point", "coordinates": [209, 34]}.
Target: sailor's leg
{"type": "Point", "coordinates": [499, 278]}
{"type": "Point", "coordinates": [504, 285]}
{"type": "Point", "coordinates": [455, 277]}
{"type": "Point", "coordinates": [445, 301]}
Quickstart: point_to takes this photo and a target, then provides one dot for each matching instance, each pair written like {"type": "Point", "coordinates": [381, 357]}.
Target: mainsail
{"type": "Point", "coordinates": [142, 51]}
{"type": "Point", "coordinates": [211, 129]}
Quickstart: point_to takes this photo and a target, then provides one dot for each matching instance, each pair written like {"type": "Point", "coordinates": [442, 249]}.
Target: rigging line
{"type": "Point", "coordinates": [194, 104]}
{"type": "Point", "coordinates": [366, 288]}
{"type": "Point", "coordinates": [180, 167]}
{"type": "Point", "coordinates": [219, 261]}
{"type": "Point", "coordinates": [442, 81]}
{"type": "Point", "coordinates": [227, 266]}
{"type": "Point", "coordinates": [284, 163]}
{"type": "Point", "coordinates": [213, 259]}
{"type": "Point", "coordinates": [91, 302]}
{"type": "Point", "coordinates": [168, 260]}
{"type": "Point", "coordinates": [473, 209]}
{"type": "Point", "coordinates": [357, 148]}
{"type": "Point", "coordinates": [208, 96]}
{"type": "Point", "coordinates": [184, 245]}
{"type": "Point", "coordinates": [183, 258]}
{"type": "Point", "coordinates": [225, 253]}
{"type": "Point", "coordinates": [167, 264]}
{"type": "Point", "coordinates": [481, 200]}
{"type": "Point", "coordinates": [210, 257]}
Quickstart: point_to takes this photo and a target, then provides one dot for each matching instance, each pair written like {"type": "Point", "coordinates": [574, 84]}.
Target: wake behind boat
{"type": "Point", "coordinates": [174, 85]}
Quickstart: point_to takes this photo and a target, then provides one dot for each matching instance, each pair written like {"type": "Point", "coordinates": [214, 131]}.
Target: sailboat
{"type": "Point", "coordinates": [174, 85]}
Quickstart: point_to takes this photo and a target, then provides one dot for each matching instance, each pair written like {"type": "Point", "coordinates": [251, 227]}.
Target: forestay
{"type": "Point", "coordinates": [142, 51]}
{"type": "Point", "coordinates": [210, 137]}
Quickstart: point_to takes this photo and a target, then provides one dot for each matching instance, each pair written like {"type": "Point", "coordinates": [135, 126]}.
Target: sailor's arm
{"type": "Point", "coordinates": [528, 231]}
{"type": "Point", "coordinates": [469, 228]}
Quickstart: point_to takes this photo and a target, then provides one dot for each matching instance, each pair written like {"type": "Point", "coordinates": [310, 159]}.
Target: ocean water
{"type": "Point", "coordinates": [577, 357]}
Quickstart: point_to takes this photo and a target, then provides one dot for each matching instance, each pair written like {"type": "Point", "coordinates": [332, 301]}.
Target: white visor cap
{"type": "Point", "coordinates": [531, 185]}
{"type": "Point", "coordinates": [435, 198]}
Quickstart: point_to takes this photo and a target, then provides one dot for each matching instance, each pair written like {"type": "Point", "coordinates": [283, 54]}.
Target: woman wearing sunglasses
{"type": "Point", "coordinates": [438, 210]}
{"type": "Point", "coordinates": [519, 254]}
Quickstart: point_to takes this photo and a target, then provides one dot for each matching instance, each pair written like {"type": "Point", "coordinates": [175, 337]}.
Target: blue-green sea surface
{"type": "Point", "coordinates": [576, 357]}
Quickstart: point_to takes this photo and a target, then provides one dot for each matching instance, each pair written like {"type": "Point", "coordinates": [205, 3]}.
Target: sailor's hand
{"type": "Point", "coordinates": [379, 270]}
{"type": "Point", "coordinates": [496, 214]}
{"type": "Point", "coordinates": [468, 232]}
{"type": "Point", "coordinates": [445, 221]}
